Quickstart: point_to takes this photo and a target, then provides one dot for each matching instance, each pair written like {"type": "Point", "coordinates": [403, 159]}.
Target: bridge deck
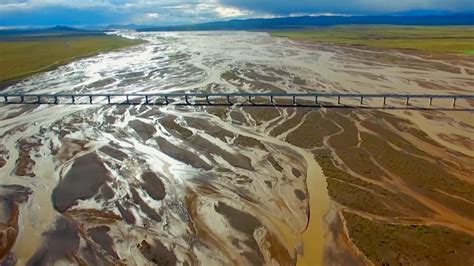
{"type": "Point", "coordinates": [248, 99]}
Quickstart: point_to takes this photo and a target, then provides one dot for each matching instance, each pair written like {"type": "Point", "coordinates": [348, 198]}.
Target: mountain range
{"type": "Point", "coordinates": [313, 21]}
{"type": "Point", "coordinates": [260, 24]}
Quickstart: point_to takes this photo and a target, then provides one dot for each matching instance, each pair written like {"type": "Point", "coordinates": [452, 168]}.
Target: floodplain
{"type": "Point", "coordinates": [136, 184]}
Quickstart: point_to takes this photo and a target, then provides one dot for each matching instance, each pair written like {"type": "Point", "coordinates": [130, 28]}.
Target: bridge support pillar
{"type": "Point", "coordinates": [408, 101]}
{"type": "Point", "coordinates": [207, 100]}
{"type": "Point", "coordinates": [271, 100]}
{"type": "Point", "coordinates": [128, 100]}
{"type": "Point", "coordinates": [250, 100]}
{"type": "Point", "coordinates": [22, 99]}
{"type": "Point", "coordinates": [6, 98]}
{"type": "Point", "coordinates": [431, 101]}
{"type": "Point", "coordinates": [454, 101]}
{"type": "Point", "coordinates": [294, 100]}
{"type": "Point", "coordinates": [361, 100]}
{"type": "Point", "coordinates": [90, 99]}
{"type": "Point", "coordinates": [38, 99]}
{"type": "Point", "coordinates": [55, 99]}
{"type": "Point", "coordinates": [229, 101]}
{"type": "Point", "coordinates": [73, 100]}
{"type": "Point", "coordinates": [186, 99]}
{"type": "Point", "coordinates": [108, 99]}
{"type": "Point", "coordinates": [384, 101]}
{"type": "Point", "coordinates": [338, 99]}
{"type": "Point", "coordinates": [316, 100]}
{"type": "Point", "coordinates": [146, 100]}
{"type": "Point", "coordinates": [166, 100]}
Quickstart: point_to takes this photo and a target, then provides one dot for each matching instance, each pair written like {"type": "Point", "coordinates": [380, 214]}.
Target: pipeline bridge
{"type": "Point", "coordinates": [351, 100]}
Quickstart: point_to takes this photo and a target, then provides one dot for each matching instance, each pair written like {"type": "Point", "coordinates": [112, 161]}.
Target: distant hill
{"type": "Point", "coordinates": [45, 32]}
{"type": "Point", "coordinates": [312, 21]}
{"type": "Point", "coordinates": [125, 27]}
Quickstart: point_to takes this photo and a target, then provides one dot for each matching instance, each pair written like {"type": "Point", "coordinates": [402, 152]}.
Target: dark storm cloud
{"type": "Point", "coordinates": [166, 12]}
{"type": "Point", "coordinates": [285, 7]}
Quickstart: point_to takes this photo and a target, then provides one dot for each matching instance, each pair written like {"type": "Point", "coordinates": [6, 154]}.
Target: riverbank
{"type": "Point", "coordinates": [458, 40]}
{"type": "Point", "coordinates": [24, 57]}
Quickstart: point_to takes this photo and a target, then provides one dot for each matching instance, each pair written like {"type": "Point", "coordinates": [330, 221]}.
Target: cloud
{"type": "Point", "coordinates": [168, 12]}
{"type": "Point", "coordinates": [153, 15]}
{"type": "Point", "coordinates": [227, 12]}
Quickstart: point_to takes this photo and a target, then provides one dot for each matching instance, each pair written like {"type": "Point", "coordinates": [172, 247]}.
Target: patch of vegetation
{"type": "Point", "coordinates": [219, 112]}
{"type": "Point", "coordinates": [23, 57]}
{"type": "Point", "coordinates": [249, 142]}
{"type": "Point", "coordinates": [357, 194]}
{"type": "Point", "coordinates": [345, 146]}
{"type": "Point", "coordinates": [312, 132]}
{"type": "Point", "coordinates": [390, 244]}
{"type": "Point", "coordinates": [427, 177]}
{"type": "Point", "coordinates": [417, 171]}
{"type": "Point", "coordinates": [262, 115]}
{"type": "Point", "coordinates": [442, 39]}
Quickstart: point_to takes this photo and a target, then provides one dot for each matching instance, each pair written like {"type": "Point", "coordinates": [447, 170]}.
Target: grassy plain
{"type": "Point", "coordinates": [445, 39]}
{"type": "Point", "coordinates": [22, 57]}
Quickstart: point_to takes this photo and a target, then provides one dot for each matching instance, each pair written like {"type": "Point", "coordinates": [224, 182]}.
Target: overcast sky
{"type": "Point", "coordinates": [171, 12]}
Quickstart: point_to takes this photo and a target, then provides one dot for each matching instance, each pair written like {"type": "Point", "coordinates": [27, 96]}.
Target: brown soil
{"type": "Point", "coordinates": [157, 253]}
{"type": "Point", "coordinates": [249, 142]}
{"type": "Point", "coordinates": [3, 156]}
{"type": "Point", "coordinates": [300, 194]}
{"type": "Point", "coordinates": [208, 147]}
{"type": "Point", "coordinates": [169, 123]}
{"type": "Point", "coordinates": [256, 81]}
{"type": "Point", "coordinates": [181, 154]}
{"type": "Point", "coordinates": [114, 153]}
{"type": "Point", "coordinates": [93, 216]}
{"type": "Point", "coordinates": [246, 224]}
{"type": "Point", "coordinates": [153, 186]}
{"type": "Point", "coordinates": [262, 114]}
{"type": "Point", "coordinates": [100, 236]}
{"type": "Point", "coordinates": [24, 163]}
{"type": "Point", "coordinates": [83, 181]}
{"type": "Point", "coordinates": [296, 172]}
{"type": "Point", "coordinates": [238, 118]}
{"type": "Point", "coordinates": [289, 123]}
{"type": "Point", "coordinates": [11, 197]}
{"type": "Point", "coordinates": [144, 130]}
{"type": "Point", "coordinates": [458, 140]}
{"type": "Point", "coordinates": [278, 251]}
{"type": "Point", "coordinates": [274, 163]}
{"type": "Point", "coordinates": [209, 128]}
{"type": "Point", "coordinates": [338, 250]}
{"type": "Point", "coordinates": [127, 215]}
{"type": "Point", "coordinates": [70, 148]}
{"type": "Point", "coordinates": [146, 209]}
{"type": "Point", "coordinates": [218, 111]}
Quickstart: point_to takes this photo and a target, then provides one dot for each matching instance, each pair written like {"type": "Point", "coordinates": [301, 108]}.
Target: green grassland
{"type": "Point", "coordinates": [22, 57]}
{"type": "Point", "coordinates": [429, 39]}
